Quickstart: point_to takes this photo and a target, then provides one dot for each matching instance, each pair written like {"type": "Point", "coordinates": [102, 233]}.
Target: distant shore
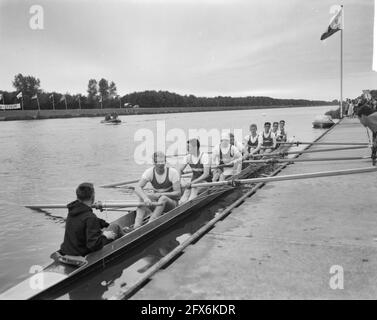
{"type": "Point", "coordinates": [11, 115]}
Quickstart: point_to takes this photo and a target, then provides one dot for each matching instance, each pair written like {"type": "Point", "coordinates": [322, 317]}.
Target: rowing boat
{"type": "Point", "coordinates": [57, 274]}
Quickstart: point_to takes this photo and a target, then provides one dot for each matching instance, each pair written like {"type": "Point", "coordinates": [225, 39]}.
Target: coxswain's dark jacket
{"type": "Point", "coordinates": [83, 232]}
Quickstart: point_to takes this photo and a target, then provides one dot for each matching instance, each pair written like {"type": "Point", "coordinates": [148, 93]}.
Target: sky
{"type": "Point", "coordinates": [201, 47]}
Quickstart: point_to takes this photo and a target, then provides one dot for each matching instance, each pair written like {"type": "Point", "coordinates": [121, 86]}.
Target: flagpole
{"type": "Point", "coordinates": [53, 102]}
{"type": "Point", "coordinates": [39, 108]}
{"type": "Point", "coordinates": [65, 101]}
{"type": "Point", "coordinates": [341, 66]}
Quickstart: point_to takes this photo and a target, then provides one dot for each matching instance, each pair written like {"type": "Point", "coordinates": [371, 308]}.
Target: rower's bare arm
{"type": "Point", "coordinates": [176, 193]}
{"type": "Point", "coordinates": [256, 150]}
{"type": "Point", "coordinates": [181, 168]}
{"type": "Point", "coordinates": [139, 190]}
{"type": "Point", "coordinates": [204, 176]}
{"type": "Point", "coordinates": [237, 157]}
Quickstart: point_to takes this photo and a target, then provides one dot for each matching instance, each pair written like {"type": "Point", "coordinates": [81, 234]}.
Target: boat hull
{"type": "Point", "coordinates": [116, 121]}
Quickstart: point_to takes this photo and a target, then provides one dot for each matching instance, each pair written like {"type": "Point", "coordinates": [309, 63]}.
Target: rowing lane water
{"type": "Point", "coordinates": [42, 161]}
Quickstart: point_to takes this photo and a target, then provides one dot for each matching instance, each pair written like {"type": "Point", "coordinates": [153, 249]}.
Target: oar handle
{"type": "Point", "coordinates": [103, 205]}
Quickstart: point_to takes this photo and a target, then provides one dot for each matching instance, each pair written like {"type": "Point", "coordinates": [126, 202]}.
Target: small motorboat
{"type": "Point", "coordinates": [323, 122]}
{"type": "Point", "coordinates": [112, 121]}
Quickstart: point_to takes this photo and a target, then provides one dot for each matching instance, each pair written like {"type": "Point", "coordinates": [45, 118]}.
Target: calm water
{"type": "Point", "coordinates": [43, 161]}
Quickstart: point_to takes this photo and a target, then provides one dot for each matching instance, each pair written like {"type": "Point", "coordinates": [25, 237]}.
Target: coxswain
{"type": "Point", "coordinates": [252, 142]}
{"type": "Point", "coordinates": [166, 189]}
{"type": "Point", "coordinates": [368, 118]}
{"type": "Point", "coordinates": [200, 165]}
{"type": "Point", "coordinates": [227, 158]}
{"type": "Point", "coordinates": [84, 231]}
{"type": "Point", "coordinates": [268, 139]}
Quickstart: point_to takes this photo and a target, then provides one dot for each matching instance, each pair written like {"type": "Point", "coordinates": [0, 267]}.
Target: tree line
{"type": "Point", "coordinates": [103, 94]}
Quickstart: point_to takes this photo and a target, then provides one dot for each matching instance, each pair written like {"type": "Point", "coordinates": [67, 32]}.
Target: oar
{"type": "Point", "coordinates": [287, 177]}
{"type": "Point", "coordinates": [182, 154]}
{"type": "Point", "coordinates": [309, 151]}
{"type": "Point", "coordinates": [99, 206]}
{"type": "Point", "coordinates": [325, 143]}
{"type": "Point", "coordinates": [117, 184]}
{"type": "Point", "coordinates": [273, 160]}
{"type": "Point", "coordinates": [123, 183]}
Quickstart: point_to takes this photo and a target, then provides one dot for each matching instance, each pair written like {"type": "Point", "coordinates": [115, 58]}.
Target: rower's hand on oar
{"type": "Point", "coordinates": [109, 234]}
{"type": "Point", "coordinates": [147, 202]}
{"type": "Point", "coordinates": [98, 205]}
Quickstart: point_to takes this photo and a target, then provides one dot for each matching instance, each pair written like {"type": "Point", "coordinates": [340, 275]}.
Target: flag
{"type": "Point", "coordinates": [100, 98]}
{"type": "Point", "coordinates": [62, 99]}
{"type": "Point", "coordinates": [19, 95]}
{"type": "Point", "coordinates": [34, 97]}
{"type": "Point", "coordinates": [375, 37]}
{"type": "Point", "coordinates": [51, 97]}
{"type": "Point", "coordinates": [78, 97]}
{"type": "Point", "coordinates": [336, 24]}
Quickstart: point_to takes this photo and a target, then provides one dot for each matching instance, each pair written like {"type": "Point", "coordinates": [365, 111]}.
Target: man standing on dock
{"type": "Point", "coordinates": [368, 118]}
{"type": "Point", "coordinates": [166, 187]}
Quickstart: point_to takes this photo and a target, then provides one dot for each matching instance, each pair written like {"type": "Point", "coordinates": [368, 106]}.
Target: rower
{"type": "Point", "coordinates": [226, 154]}
{"type": "Point", "coordinates": [84, 231]}
{"type": "Point", "coordinates": [368, 118]}
{"type": "Point", "coordinates": [235, 143]}
{"type": "Point", "coordinates": [275, 128]}
{"type": "Point", "coordinates": [166, 187]}
{"type": "Point", "coordinates": [252, 142]}
{"type": "Point", "coordinates": [200, 165]}
{"type": "Point", "coordinates": [268, 139]}
{"type": "Point", "coordinates": [282, 137]}
{"type": "Point", "coordinates": [275, 131]}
